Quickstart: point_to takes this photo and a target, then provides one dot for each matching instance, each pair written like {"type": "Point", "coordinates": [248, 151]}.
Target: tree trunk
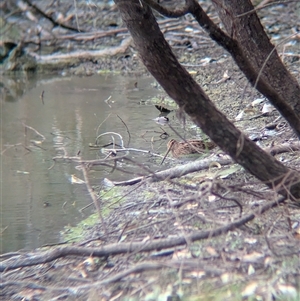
{"type": "Point", "coordinates": [159, 59]}
{"type": "Point", "coordinates": [270, 75]}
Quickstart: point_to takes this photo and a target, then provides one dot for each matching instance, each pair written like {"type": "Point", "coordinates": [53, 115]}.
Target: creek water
{"type": "Point", "coordinates": [38, 197]}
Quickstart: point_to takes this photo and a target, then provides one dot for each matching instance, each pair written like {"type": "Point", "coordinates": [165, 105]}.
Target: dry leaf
{"type": "Point", "coordinates": [211, 251]}
{"type": "Point", "coordinates": [267, 108]}
{"type": "Point", "coordinates": [249, 289]}
{"type": "Point", "coordinates": [287, 290]}
{"type": "Point", "coordinates": [251, 269]}
{"type": "Point", "coordinates": [75, 180]}
{"type": "Point", "coordinates": [253, 257]}
{"type": "Point", "coordinates": [257, 101]}
{"type": "Point", "coordinates": [197, 274]}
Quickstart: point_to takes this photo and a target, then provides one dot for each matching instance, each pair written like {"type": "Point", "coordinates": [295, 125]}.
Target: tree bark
{"type": "Point", "coordinates": [270, 75]}
{"type": "Point", "coordinates": [159, 59]}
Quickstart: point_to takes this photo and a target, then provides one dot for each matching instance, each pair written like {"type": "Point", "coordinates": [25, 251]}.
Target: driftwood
{"type": "Point", "coordinates": [78, 55]}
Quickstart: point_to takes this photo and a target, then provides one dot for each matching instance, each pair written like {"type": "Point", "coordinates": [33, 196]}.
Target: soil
{"type": "Point", "coordinates": [163, 239]}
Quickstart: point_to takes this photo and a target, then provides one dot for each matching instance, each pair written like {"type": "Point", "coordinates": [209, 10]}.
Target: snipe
{"type": "Point", "coordinates": [187, 148]}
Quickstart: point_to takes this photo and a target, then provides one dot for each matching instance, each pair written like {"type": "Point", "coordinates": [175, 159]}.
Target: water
{"type": "Point", "coordinates": [37, 196]}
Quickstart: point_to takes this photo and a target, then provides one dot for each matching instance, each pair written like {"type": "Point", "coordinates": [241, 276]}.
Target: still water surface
{"type": "Point", "coordinates": [37, 197]}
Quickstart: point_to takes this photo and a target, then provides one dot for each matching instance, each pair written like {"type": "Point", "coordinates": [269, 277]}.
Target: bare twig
{"type": "Point", "coordinates": [102, 121]}
{"type": "Point", "coordinates": [49, 17]}
{"type": "Point", "coordinates": [263, 5]}
{"type": "Point", "coordinates": [111, 133]}
{"type": "Point", "coordinates": [37, 132]}
{"type": "Point", "coordinates": [93, 196]}
{"type": "Point", "coordinates": [269, 56]}
{"type": "Point", "coordinates": [76, 15]}
{"type": "Point", "coordinates": [129, 136]}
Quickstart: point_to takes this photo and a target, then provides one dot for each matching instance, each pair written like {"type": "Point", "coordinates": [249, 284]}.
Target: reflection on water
{"type": "Point", "coordinates": [37, 196]}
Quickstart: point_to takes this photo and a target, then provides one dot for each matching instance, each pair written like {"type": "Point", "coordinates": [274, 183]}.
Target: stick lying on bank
{"type": "Point", "coordinates": [194, 166]}
{"type": "Point", "coordinates": [83, 54]}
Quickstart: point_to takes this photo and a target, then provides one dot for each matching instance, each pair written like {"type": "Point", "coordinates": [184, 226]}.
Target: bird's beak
{"type": "Point", "coordinates": [166, 155]}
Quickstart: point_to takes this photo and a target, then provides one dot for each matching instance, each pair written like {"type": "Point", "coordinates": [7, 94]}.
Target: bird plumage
{"type": "Point", "coordinates": [189, 147]}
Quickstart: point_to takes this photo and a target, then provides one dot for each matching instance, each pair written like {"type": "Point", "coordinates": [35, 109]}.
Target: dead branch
{"type": "Point", "coordinates": [187, 264]}
{"type": "Point", "coordinates": [94, 35]}
{"type": "Point", "coordinates": [130, 247]}
{"type": "Point", "coordinates": [68, 57]}
{"type": "Point", "coordinates": [283, 148]}
{"type": "Point", "coordinates": [87, 36]}
{"type": "Point", "coordinates": [130, 149]}
{"type": "Point", "coordinates": [182, 170]}
{"type": "Point", "coordinates": [55, 23]}
{"type": "Point", "coordinates": [176, 172]}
